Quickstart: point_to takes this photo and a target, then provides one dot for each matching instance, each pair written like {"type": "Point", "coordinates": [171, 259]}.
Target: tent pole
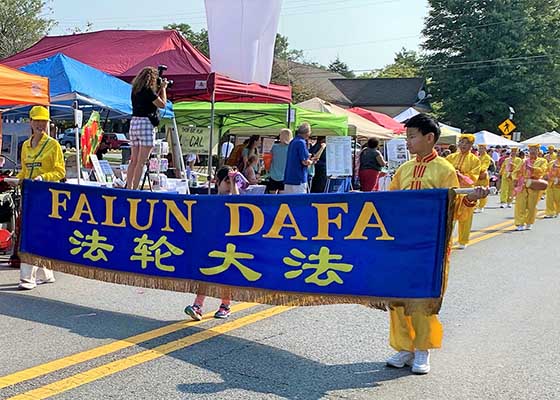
{"type": "Point", "coordinates": [289, 117]}
{"type": "Point", "coordinates": [177, 152]}
{"type": "Point", "coordinates": [210, 144]}
{"type": "Point", "coordinates": [78, 147]}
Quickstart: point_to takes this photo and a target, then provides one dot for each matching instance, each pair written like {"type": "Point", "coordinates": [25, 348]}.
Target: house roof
{"type": "Point", "coordinates": [380, 91]}
{"type": "Point", "coordinates": [320, 80]}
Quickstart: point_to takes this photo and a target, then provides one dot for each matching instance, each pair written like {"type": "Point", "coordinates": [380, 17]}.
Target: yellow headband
{"type": "Point", "coordinates": [551, 148]}
{"type": "Point", "coordinates": [470, 137]}
{"type": "Point", "coordinates": [534, 146]}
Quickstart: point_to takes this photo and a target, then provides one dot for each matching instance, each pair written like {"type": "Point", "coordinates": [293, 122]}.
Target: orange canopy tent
{"type": "Point", "coordinates": [19, 88]}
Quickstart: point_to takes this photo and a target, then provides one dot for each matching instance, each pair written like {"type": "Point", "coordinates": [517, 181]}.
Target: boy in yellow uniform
{"type": "Point", "coordinates": [506, 175]}
{"type": "Point", "coordinates": [553, 190]}
{"type": "Point", "coordinates": [467, 167]}
{"type": "Point", "coordinates": [533, 167]}
{"type": "Point", "coordinates": [41, 160]}
{"type": "Point", "coordinates": [414, 335]}
{"type": "Point", "coordinates": [483, 178]}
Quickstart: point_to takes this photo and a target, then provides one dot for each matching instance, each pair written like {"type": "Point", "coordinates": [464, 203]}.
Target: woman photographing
{"type": "Point", "coordinates": [146, 97]}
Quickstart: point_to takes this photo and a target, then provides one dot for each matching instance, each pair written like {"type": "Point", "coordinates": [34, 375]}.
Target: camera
{"type": "Point", "coordinates": [161, 69]}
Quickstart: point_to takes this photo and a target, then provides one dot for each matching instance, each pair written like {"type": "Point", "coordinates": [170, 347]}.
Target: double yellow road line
{"type": "Point", "coordinates": [122, 364]}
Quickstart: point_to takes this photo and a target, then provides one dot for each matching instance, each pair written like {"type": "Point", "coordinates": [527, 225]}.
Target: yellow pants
{"type": "Point", "coordinates": [483, 202]}
{"type": "Point", "coordinates": [506, 191]}
{"type": "Point", "coordinates": [553, 200]}
{"type": "Point", "coordinates": [414, 332]}
{"type": "Point", "coordinates": [465, 227]}
{"type": "Point", "coordinates": [526, 206]}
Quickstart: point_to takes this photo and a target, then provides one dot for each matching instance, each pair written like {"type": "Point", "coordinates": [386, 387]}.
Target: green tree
{"type": "Point", "coordinates": [340, 67]}
{"type": "Point", "coordinates": [22, 23]}
{"type": "Point", "coordinates": [486, 56]}
{"type": "Point", "coordinates": [407, 64]}
{"type": "Point", "coordinates": [197, 39]}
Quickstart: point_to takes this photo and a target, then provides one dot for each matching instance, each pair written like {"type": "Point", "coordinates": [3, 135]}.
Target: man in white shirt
{"type": "Point", "coordinates": [227, 148]}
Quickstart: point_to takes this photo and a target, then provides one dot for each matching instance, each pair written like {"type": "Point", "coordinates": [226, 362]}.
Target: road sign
{"type": "Point", "coordinates": [507, 127]}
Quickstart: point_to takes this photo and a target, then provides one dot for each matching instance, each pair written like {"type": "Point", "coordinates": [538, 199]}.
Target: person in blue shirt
{"type": "Point", "coordinates": [298, 161]}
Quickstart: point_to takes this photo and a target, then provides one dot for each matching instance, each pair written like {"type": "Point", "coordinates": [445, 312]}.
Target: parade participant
{"type": "Point", "coordinates": [551, 154]}
{"type": "Point", "coordinates": [371, 164]}
{"type": "Point", "coordinates": [532, 168]}
{"type": "Point", "coordinates": [467, 167]}
{"type": "Point", "coordinates": [298, 161]}
{"type": "Point", "coordinates": [506, 176]}
{"type": "Point", "coordinates": [225, 182]}
{"type": "Point", "coordinates": [279, 153]}
{"type": "Point", "coordinates": [41, 160]}
{"type": "Point", "coordinates": [146, 98]}
{"type": "Point", "coordinates": [413, 336]}
{"type": "Point", "coordinates": [483, 179]}
{"type": "Point", "coordinates": [553, 190]}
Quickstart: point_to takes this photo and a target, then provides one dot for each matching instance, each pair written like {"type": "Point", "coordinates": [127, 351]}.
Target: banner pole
{"type": "Point", "coordinates": [78, 147]}
{"type": "Point", "coordinates": [210, 144]}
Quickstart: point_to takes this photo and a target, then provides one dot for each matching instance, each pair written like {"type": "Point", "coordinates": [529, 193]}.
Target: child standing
{"type": "Point", "coordinates": [225, 182]}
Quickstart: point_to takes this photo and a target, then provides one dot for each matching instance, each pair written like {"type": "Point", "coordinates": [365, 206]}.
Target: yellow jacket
{"type": "Point", "coordinates": [554, 173]}
{"type": "Point", "coordinates": [540, 167]}
{"type": "Point", "coordinates": [431, 172]}
{"type": "Point", "coordinates": [45, 159]}
{"type": "Point", "coordinates": [466, 164]}
{"type": "Point", "coordinates": [485, 162]}
{"type": "Point", "coordinates": [508, 166]}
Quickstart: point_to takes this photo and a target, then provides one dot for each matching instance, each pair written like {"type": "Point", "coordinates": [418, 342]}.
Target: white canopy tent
{"type": "Point", "coordinates": [491, 139]}
{"type": "Point", "coordinates": [406, 115]}
{"type": "Point", "coordinates": [546, 139]}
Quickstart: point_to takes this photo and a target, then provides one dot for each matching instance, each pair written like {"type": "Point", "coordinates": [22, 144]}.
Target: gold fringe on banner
{"type": "Point", "coordinates": [273, 297]}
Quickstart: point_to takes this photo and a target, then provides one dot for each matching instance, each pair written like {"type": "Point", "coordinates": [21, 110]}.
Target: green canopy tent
{"type": "Point", "coordinates": [263, 119]}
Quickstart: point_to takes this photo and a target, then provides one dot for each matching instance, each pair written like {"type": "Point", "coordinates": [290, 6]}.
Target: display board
{"type": "Point", "coordinates": [339, 156]}
{"type": "Point", "coordinates": [194, 140]}
{"type": "Point", "coordinates": [397, 152]}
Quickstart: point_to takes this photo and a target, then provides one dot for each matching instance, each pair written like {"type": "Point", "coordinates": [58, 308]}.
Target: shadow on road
{"type": "Point", "coordinates": [240, 363]}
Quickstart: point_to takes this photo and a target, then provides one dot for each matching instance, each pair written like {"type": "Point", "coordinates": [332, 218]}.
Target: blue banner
{"type": "Point", "coordinates": [372, 245]}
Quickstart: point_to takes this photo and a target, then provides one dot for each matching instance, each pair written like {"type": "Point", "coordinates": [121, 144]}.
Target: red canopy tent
{"type": "Point", "coordinates": [380, 119]}
{"type": "Point", "coordinates": [123, 53]}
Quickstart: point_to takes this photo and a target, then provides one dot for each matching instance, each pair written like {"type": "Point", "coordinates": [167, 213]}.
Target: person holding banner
{"type": "Point", "coordinates": [467, 167]}
{"type": "Point", "coordinates": [484, 179]}
{"type": "Point", "coordinates": [146, 97]}
{"type": "Point", "coordinates": [506, 174]}
{"type": "Point", "coordinates": [41, 160]}
{"type": "Point", "coordinates": [527, 178]}
{"type": "Point", "coordinates": [226, 184]}
{"type": "Point", "coordinates": [413, 336]}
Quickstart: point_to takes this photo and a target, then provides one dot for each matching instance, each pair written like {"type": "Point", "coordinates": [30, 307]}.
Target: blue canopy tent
{"type": "Point", "coordinates": [71, 80]}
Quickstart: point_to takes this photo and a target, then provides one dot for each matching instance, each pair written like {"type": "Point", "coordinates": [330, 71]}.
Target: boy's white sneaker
{"type": "Point", "coordinates": [400, 359]}
{"type": "Point", "coordinates": [421, 364]}
{"type": "Point", "coordinates": [529, 227]}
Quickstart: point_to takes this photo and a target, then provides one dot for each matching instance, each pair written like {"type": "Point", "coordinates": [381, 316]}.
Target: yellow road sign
{"type": "Point", "coordinates": [507, 127]}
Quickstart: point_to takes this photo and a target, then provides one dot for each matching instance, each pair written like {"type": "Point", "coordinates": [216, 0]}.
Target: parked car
{"type": "Point", "coordinates": [116, 140]}
{"type": "Point", "coordinates": [68, 138]}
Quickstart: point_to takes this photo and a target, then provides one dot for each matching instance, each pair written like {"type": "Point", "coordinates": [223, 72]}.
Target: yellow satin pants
{"type": "Point", "coordinates": [553, 200]}
{"type": "Point", "coordinates": [506, 191]}
{"type": "Point", "coordinates": [465, 226]}
{"type": "Point", "coordinates": [526, 206]}
{"type": "Point", "coordinates": [414, 332]}
{"type": "Point", "coordinates": [484, 183]}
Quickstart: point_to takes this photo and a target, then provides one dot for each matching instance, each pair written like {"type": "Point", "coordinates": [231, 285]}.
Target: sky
{"type": "Point", "coordinates": [365, 34]}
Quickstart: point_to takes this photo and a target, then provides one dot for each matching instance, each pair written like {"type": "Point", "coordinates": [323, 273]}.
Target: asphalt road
{"type": "Point", "coordinates": [72, 339]}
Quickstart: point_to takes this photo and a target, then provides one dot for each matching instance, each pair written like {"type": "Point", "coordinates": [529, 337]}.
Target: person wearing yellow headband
{"type": "Point", "coordinates": [484, 178]}
{"type": "Point", "coordinates": [467, 168]}
{"type": "Point", "coordinates": [526, 198]}
{"type": "Point", "coordinates": [506, 176]}
{"type": "Point", "coordinates": [41, 160]}
{"type": "Point", "coordinates": [553, 189]}
{"type": "Point", "coordinates": [551, 154]}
